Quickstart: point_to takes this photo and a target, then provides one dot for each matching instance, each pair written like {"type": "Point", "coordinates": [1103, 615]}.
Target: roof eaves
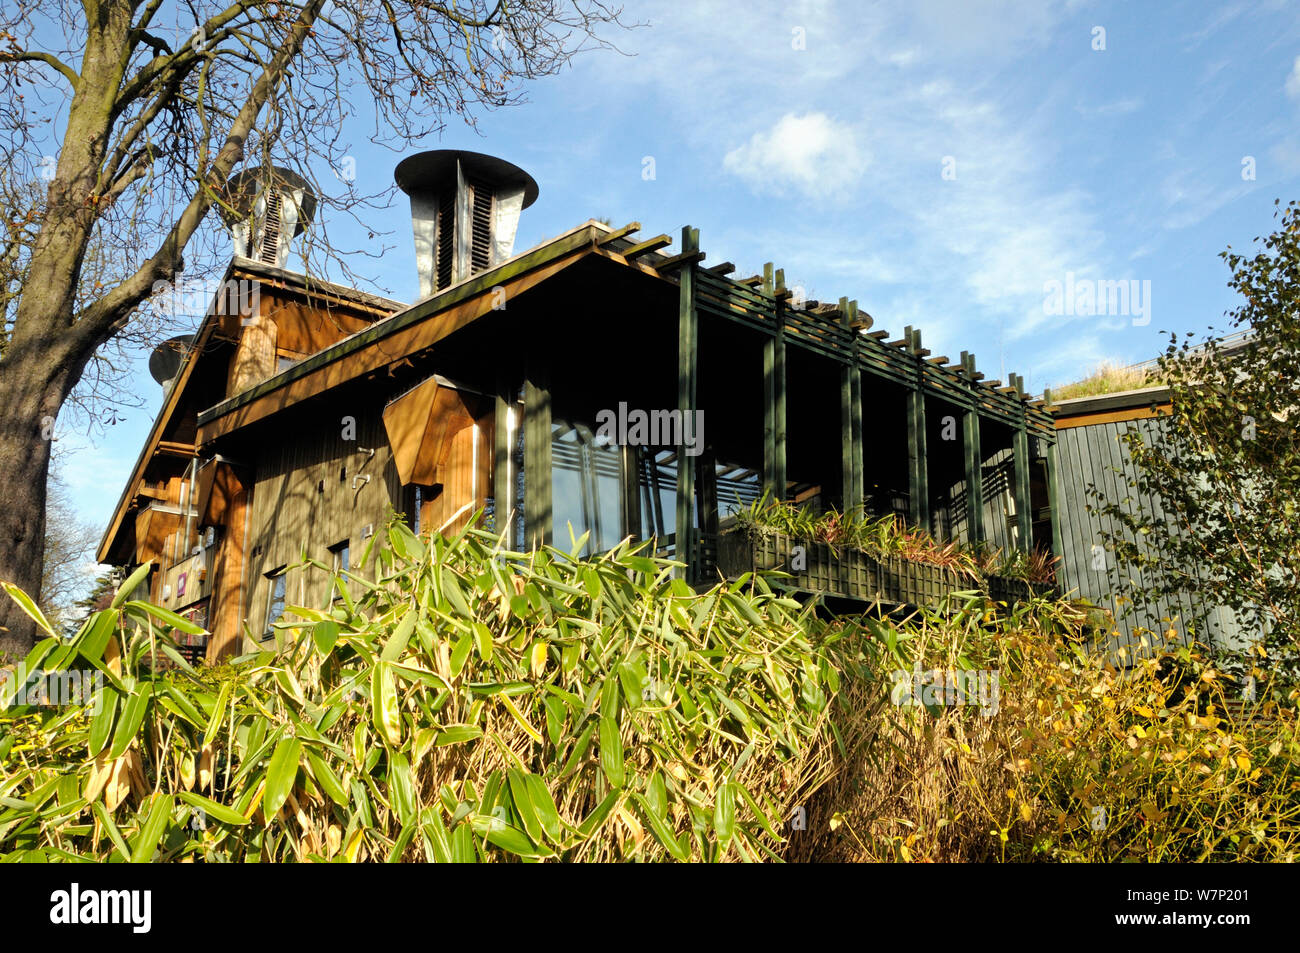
{"type": "Point", "coordinates": [480, 283]}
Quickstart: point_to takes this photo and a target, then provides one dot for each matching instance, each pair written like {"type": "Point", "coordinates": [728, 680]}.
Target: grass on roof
{"type": "Point", "coordinates": [1107, 378]}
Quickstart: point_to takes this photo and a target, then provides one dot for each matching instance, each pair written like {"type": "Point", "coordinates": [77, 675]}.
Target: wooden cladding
{"type": "Point", "coordinates": [228, 587]}
{"type": "Point", "coordinates": [303, 328]}
{"type": "Point", "coordinates": [153, 528]}
{"type": "Point", "coordinates": [465, 477]}
{"type": "Point", "coordinates": [255, 357]}
{"type": "Point", "coordinates": [1114, 416]}
{"type": "Point", "coordinates": [421, 426]}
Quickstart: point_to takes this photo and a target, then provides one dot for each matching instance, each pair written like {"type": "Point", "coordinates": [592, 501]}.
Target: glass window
{"type": "Point", "coordinates": [275, 602]}
{"type": "Point", "coordinates": [585, 486]}
{"type": "Point", "coordinates": [738, 487]}
{"type": "Point", "coordinates": [657, 479]}
{"type": "Point", "coordinates": [339, 561]}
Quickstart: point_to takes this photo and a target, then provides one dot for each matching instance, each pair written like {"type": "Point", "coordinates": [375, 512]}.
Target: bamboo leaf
{"type": "Point", "coordinates": [151, 831]}
{"type": "Point", "coordinates": [133, 712]}
{"type": "Point", "coordinates": [280, 774]}
{"type": "Point", "coordinates": [214, 809]}
{"type": "Point", "coordinates": [101, 722]}
{"type": "Point", "coordinates": [27, 605]}
{"type": "Point", "coordinates": [383, 701]}
{"type": "Point", "coordinates": [662, 831]}
{"type": "Point", "coordinates": [177, 622]}
{"type": "Point", "coordinates": [456, 734]}
{"type": "Point", "coordinates": [611, 743]}
{"type": "Point", "coordinates": [132, 582]}
{"type": "Point", "coordinates": [327, 779]}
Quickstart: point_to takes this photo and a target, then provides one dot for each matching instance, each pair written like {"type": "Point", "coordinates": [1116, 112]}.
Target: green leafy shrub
{"type": "Point", "coordinates": [469, 705]}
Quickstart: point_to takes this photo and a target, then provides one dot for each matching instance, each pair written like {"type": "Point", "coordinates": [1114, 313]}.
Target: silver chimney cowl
{"type": "Point", "coordinates": [265, 209]}
{"type": "Point", "coordinates": [464, 212]}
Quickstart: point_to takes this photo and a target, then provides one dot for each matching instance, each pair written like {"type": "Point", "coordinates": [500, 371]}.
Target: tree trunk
{"type": "Point", "coordinates": [26, 427]}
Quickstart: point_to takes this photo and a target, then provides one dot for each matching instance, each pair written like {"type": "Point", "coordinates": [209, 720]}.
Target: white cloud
{"type": "Point", "coordinates": [1293, 80]}
{"type": "Point", "coordinates": [812, 154]}
{"type": "Point", "coordinates": [1120, 107]}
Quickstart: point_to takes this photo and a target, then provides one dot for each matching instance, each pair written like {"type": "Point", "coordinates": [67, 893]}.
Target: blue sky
{"type": "Point", "coordinates": [816, 135]}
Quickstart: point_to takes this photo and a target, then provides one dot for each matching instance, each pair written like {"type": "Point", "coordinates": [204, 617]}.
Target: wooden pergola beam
{"type": "Point", "coordinates": [646, 247]}
{"type": "Point", "coordinates": [677, 261]}
{"type": "Point", "coordinates": [616, 234]}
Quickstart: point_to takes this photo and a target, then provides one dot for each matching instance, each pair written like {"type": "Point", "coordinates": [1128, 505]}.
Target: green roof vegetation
{"type": "Point", "coordinates": [1108, 378]}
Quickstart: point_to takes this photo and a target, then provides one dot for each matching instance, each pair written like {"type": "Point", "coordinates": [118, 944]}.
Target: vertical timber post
{"type": "Point", "coordinates": [855, 380]}
{"type": "Point", "coordinates": [918, 474]}
{"type": "Point", "coordinates": [778, 377]}
{"type": "Point", "coordinates": [630, 491]}
{"type": "Point", "coordinates": [847, 446]}
{"type": "Point", "coordinates": [537, 450]}
{"type": "Point", "coordinates": [769, 396]}
{"type": "Point", "coordinates": [974, 460]}
{"type": "Point", "coordinates": [1058, 548]}
{"type": "Point", "coordinates": [687, 354]}
{"type": "Point", "coordinates": [1024, 518]}
{"type": "Point", "coordinates": [503, 480]}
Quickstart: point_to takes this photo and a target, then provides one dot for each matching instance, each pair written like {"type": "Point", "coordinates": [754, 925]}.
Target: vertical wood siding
{"type": "Point", "coordinates": [304, 502]}
{"type": "Point", "coordinates": [1096, 456]}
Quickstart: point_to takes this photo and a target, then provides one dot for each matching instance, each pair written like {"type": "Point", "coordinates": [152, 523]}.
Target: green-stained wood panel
{"type": "Point", "coordinates": [771, 485]}
{"type": "Point", "coordinates": [974, 463]}
{"type": "Point", "coordinates": [1096, 455]}
{"type": "Point", "coordinates": [855, 408]}
{"type": "Point", "coordinates": [537, 451]}
{"type": "Point", "coordinates": [503, 476]}
{"type": "Point", "coordinates": [1024, 518]}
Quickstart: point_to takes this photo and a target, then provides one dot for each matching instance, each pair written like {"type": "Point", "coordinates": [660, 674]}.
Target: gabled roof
{"type": "Point", "coordinates": [411, 329]}
{"type": "Point", "coordinates": [174, 395]}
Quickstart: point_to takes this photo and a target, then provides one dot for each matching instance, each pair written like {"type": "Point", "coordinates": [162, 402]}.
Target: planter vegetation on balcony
{"type": "Point", "coordinates": [1012, 589]}
{"type": "Point", "coordinates": [843, 572]}
{"type": "Point", "coordinates": [872, 560]}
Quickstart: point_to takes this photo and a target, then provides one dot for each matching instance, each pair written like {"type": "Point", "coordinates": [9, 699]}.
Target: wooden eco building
{"type": "Point", "coordinates": [301, 414]}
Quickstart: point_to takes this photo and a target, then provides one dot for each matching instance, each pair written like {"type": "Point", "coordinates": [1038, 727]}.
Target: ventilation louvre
{"type": "Point", "coordinates": [446, 244]}
{"type": "Point", "coordinates": [270, 250]}
{"type": "Point", "coordinates": [480, 226]}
